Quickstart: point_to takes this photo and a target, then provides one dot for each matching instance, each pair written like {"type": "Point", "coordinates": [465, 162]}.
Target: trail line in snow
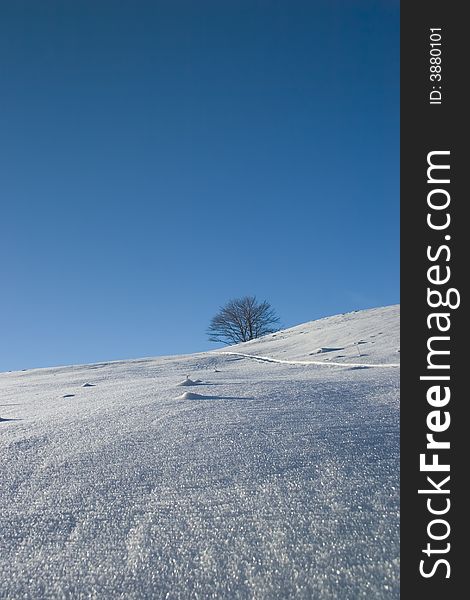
{"type": "Point", "coordinates": [312, 362]}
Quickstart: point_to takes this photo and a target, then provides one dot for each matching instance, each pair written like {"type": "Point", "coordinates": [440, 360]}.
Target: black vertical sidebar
{"type": "Point", "coordinates": [434, 119]}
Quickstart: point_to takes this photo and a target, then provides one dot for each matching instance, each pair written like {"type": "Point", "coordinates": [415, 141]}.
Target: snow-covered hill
{"type": "Point", "coordinates": [366, 337]}
{"type": "Point", "coordinates": [264, 479]}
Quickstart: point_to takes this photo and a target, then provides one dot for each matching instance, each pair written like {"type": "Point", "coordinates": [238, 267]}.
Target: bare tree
{"type": "Point", "coordinates": [241, 320]}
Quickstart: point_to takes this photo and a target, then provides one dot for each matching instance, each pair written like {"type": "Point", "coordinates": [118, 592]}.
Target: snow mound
{"type": "Point", "coordinates": [88, 385]}
{"type": "Point", "coordinates": [189, 382]}
{"type": "Point", "coordinates": [190, 396]}
{"type": "Point", "coordinates": [325, 349]}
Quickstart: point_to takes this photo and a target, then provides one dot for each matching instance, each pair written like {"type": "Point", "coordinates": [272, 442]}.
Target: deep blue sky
{"type": "Point", "coordinates": [158, 158]}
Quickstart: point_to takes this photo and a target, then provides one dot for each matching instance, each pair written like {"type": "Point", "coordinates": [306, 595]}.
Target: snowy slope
{"type": "Point", "coordinates": [366, 337]}
{"type": "Point", "coordinates": [272, 480]}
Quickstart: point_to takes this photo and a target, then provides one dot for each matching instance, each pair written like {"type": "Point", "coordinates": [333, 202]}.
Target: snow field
{"type": "Point", "coordinates": [274, 480]}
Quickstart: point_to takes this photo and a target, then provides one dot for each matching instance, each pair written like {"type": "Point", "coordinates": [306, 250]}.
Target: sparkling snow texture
{"type": "Point", "coordinates": [275, 480]}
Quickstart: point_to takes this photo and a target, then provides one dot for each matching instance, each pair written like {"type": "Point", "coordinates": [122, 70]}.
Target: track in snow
{"type": "Point", "coordinates": [312, 362]}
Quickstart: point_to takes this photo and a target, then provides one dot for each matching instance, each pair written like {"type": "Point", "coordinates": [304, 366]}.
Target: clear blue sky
{"type": "Point", "coordinates": [159, 158]}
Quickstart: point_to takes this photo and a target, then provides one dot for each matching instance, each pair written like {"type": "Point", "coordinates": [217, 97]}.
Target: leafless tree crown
{"type": "Point", "coordinates": [241, 320]}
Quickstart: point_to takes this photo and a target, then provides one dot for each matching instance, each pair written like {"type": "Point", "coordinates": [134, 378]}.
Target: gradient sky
{"type": "Point", "coordinates": [159, 158]}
